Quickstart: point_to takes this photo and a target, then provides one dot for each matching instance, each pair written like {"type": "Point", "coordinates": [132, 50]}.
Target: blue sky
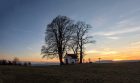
{"type": "Point", "coordinates": [116, 25]}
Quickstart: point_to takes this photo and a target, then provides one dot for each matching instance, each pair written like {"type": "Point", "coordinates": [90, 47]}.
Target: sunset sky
{"type": "Point", "coordinates": [116, 27]}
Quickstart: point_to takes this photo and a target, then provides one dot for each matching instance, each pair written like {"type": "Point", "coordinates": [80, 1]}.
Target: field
{"type": "Point", "coordinates": [80, 73]}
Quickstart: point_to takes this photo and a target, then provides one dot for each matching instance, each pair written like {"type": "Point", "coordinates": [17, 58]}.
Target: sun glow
{"type": "Point", "coordinates": [102, 52]}
{"type": "Point", "coordinates": [117, 59]}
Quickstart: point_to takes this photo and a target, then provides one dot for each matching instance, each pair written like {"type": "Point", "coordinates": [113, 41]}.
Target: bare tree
{"type": "Point", "coordinates": [81, 37]}
{"type": "Point", "coordinates": [73, 44]}
{"type": "Point", "coordinates": [58, 34]}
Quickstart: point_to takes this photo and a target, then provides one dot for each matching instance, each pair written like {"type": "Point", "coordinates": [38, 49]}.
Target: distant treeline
{"type": "Point", "coordinates": [6, 62]}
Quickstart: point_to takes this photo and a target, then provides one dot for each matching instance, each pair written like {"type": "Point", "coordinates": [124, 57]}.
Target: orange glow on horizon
{"type": "Point", "coordinates": [107, 54]}
{"type": "Point", "coordinates": [118, 59]}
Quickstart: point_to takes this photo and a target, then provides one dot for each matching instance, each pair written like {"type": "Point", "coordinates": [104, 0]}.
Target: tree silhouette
{"type": "Point", "coordinates": [58, 34]}
{"type": "Point", "coordinates": [81, 38]}
{"type": "Point", "coordinates": [63, 34]}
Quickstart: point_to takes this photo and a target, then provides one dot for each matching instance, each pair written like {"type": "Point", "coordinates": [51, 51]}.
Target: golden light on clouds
{"type": "Point", "coordinates": [102, 52]}
{"type": "Point", "coordinates": [117, 59]}
{"type": "Point", "coordinates": [115, 55]}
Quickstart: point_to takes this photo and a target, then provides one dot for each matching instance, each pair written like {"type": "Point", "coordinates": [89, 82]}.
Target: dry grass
{"type": "Point", "coordinates": [80, 73]}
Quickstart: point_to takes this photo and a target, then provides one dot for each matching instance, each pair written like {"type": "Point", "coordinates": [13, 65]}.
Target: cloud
{"type": "Point", "coordinates": [118, 32]}
{"type": "Point", "coordinates": [113, 37]}
{"type": "Point", "coordinates": [133, 46]}
{"type": "Point", "coordinates": [29, 48]}
{"type": "Point", "coordinates": [122, 26]}
{"type": "Point", "coordinates": [128, 23]}
{"type": "Point", "coordinates": [104, 52]}
{"type": "Point", "coordinates": [123, 22]}
{"type": "Point", "coordinates": [135, 43]}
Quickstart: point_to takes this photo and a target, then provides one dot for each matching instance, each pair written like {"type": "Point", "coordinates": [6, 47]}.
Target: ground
{"type": "Point", "coordinates": [80, 73]}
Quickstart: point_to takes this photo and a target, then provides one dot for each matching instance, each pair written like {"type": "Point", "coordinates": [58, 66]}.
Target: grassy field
{"type": "Point", "coordinates": [80, 73]}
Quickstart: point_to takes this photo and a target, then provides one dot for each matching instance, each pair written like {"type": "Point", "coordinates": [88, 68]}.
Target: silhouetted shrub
{"type": "Point", "coordinates": [3, 62]}
{"type": "Point", "coordinates": [25, 64]}
{"type": "Point", "coordinates": [14, 62]}
{"type": "Point", "coordinates": [10, 63]}
{"type": "Point", "coordinates": [29, 63]}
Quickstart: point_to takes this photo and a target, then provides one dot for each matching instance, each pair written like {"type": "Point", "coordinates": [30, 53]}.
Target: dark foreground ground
{"type": "Point", "coordinates": [80, 73]}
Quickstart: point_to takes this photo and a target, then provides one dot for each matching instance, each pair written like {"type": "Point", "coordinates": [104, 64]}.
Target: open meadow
{"type": "Point", "coordinates": [79, 73]}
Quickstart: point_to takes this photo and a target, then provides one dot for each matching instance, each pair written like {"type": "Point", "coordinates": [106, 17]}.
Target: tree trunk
{"type": "Point", "coordinates": [81, 55]}
{"type": "Point", "coordinates": [60, 59]}
{"type": "Point", "coordinates": [60, 55]}
{"type": "Point", "coordinates": [81, 50]}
